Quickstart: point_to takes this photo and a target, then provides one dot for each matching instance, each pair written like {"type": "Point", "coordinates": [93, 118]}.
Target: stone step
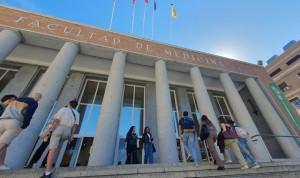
{"type": "Point", "coordinates": [286, 168]}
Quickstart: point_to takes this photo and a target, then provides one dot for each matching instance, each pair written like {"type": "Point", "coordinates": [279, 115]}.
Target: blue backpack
{"type": "Point", "coordinates": [187, 125]}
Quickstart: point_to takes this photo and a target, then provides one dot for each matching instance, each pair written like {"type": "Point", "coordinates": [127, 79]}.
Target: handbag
{"type": "Point", "coordinates": [153, 148]}
{"type": "Point", "coordinates": [229, 133]}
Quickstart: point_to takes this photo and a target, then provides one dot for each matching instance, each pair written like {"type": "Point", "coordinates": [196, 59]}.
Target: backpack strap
{"type": "Point", "coordinates": [73, 115]}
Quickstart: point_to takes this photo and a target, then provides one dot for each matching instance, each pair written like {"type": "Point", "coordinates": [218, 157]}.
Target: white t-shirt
{"type": "Point", "coordinates": [66, 117]}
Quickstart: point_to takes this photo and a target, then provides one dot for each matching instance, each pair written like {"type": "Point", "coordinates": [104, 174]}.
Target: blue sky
{"type": "Point", "coordinates": [247, 30]}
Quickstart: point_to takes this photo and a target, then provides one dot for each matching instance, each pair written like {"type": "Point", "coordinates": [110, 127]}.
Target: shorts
{"type": "Point", "coordinates": [59, 136]}
{"type": "Point", "coordinates": [9, 130]}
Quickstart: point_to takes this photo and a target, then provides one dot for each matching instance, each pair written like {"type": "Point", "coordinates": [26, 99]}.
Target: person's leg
{"type": "Point", "coordinates": [146, 150]}
{"type": "Point", "coordinates": [50, 159]}
{"type": "Point", "coordinates": [3, 148]}
{"type": "Point", "coordinates": [245, 151]}
{"type": "Point", "coordinates": [129, 154]}
{"type": "Point", "coordinates": [213, 151]}
{"type": "Point", "coordinates": [134, 155]}
{"type": "Point", "coordinates": [237, 152]}
{"type": "Point", "coordinates": [226, 154]}
{"type": "Point", "coordinates": [150, 154]}
{"type": "Point", "coordinates": [191, 141]}
{"type": "Point", "coordinates": [185, 143]}
{"type": "Point", "coordinates": [37, 155]}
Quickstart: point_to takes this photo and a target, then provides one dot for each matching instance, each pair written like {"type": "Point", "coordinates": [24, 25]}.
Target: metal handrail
{"type": "Point", "coordinates": [269, 135]}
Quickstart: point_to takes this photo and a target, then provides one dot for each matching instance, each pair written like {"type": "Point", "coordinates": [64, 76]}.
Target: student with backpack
{"type": "Point", "coordinates": [244, 143]}
{"type": "Point", "coordinates": [208, 132]}
{"type": "Point", "coordinates": [188, 136]}
{"type": "Point", "coordinates": [230, 140]}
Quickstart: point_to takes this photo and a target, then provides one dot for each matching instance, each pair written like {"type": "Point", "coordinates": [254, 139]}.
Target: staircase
{"type": "Point", "coordinates": [282, 168]}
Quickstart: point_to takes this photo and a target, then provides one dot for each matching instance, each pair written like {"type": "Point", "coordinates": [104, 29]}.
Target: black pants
{"type": "Point", "coordinates": [131, 154]}
{"type": "Point", "coordinates": [37, 155]}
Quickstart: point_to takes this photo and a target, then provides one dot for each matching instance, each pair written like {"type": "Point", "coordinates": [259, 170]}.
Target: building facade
{"type": "Point", "coordinates": [285, 71]}
{"type": "Point", "coordinates": [122, 80]}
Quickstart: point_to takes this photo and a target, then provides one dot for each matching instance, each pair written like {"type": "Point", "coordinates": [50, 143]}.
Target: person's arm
{"type": "Point", "coordinates": [73, 132]}
{"type": "Point", "coordinates": [29, 113]}
{"type": "Point", "coordinates": [179, 131]}
{"type": "Point", "coordinates": [223, 127]}
{"type": "Point", "coordinates": [126, 140]}
{"type": "Point", "coordinates": [55, 122]}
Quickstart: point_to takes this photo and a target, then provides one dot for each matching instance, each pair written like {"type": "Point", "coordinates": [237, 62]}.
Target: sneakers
{"type": "Point", "coordinates": [245, 167]}
{"type": "Point", "coordinates": [229, 161]}
{"type": "Point", "coordinates": [4, 167]}
{"type": "Point", "coordinates": [196, 164]}
{"type": "Point", "coordinates": [255, 166]}
{"type": "Point", "coordinates": [188, 158]}
{"type": "Point", "coordinates": [44, 176]}
{"type": "Point", "coordinates": [220, 168]}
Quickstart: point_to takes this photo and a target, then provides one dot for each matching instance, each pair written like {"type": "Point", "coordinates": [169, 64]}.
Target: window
{"type": "Point", "coordinates": [284, 87]}
{"type": "Point", "coordinates": [293, 60]}
{"type": "Point", "coordinates": [295, 102]}
{"type": "Point", "coordinates": [275, 72]}
{"type": "Point", "coordinates": [5, 76]}
{"type": "Point", "coordinates": [222, 107]}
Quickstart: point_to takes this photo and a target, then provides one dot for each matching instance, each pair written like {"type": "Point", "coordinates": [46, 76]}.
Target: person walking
{"type": "Point", "coordinates": [131, 146]}
{"type": "Point", "coordinates": [5, 101]}
{"type": "Point", "coordinates": [243, 144]}
{"type": "Point", "coordinates": [211, 139]}
{"type": "Point", "coordinates": [63, 128]}
{"type": "Point", "coordinates": [148, 148]}
{"type": "Point", "coordinates": [15, 118]}
{"type": "Point", "coordinates": [188, 136]}
{"type": "Point", "coordinates": [230, 140]}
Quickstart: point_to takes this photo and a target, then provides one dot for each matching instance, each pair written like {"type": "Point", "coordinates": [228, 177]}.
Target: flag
{"type": "Point", "coordinates": [174, 13]}
{"type": "Point", "coordinates": [134, 2]}
{"type": "Point", "coordinates": [154, 5]}
{"type": "Point", "coordinates": [146, 1]}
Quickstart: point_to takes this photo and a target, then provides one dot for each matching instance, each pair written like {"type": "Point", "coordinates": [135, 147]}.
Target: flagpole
{"type": "Point", "coordinates": [112, 15]}
{"type": "Point", "coordinates": [153, 20]}
{"type": "Point", "coordinates": [144, 20]}
{"type": "Point", "coordinates": [132, 19]}
{"type": "Point", "coordinates": [171, 23]}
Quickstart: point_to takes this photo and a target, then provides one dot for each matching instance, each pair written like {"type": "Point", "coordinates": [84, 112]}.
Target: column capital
{"type": "Point", "coordinates": [17, 32]}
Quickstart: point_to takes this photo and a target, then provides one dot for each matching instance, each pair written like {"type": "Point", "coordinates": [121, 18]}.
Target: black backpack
{"type": "Point", "coordinates": [204, 132]}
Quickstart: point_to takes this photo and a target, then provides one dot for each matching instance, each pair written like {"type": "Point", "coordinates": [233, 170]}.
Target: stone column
{"type": "Point", "coordinates": [166, 132]}
{"type": "Point", "coordinates": [184, 105]}
{"type": "Point", "coordinates": [243, 117]}
{"type": "Point", "coordinates": [8, 41]}
{"type": "Point", "coordinates": [204, 103]}
{"type": "Point", "coordinates": [288, 145]}
{"type": "Point", "coordinates": [21, 80]}
{"type": "Point", "coordinates": [150, 115]}
{"type": "Point", "coordinates": [107, 129]}
{"type": "Point", "coordinates": [49, 86]}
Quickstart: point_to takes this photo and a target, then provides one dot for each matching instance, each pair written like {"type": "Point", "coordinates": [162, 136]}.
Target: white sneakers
{"type": "Point", "coordinates": [229, 161]}
{"type": "Point", "coordinates": [4, 167]}
{"type": "Point", "coordinates": [245, 167]}
{"type": "Point", "coordinates": [255, 166]}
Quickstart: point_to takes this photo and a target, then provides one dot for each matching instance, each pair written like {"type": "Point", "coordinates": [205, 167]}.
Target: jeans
{"type": "Point", "coordinates": [243, 144]}
{"type": "Point", "coordinates": [189, 143]}
{"type": "Point", "coordinates": [148, 153]}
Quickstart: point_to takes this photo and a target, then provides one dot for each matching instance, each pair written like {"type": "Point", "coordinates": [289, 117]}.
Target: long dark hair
{"type": "Point", "coordinates": [221, 119]}
{"type": "Point", "coordinates": [205, 119]}
{"type": "Point", "coordinates": [145, 130]}
{"type": "Point", "coordinates": [130, 131]}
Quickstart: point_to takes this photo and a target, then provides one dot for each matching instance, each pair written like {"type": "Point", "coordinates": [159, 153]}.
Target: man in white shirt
{"type": "Point", "coordinates": [66, 121]}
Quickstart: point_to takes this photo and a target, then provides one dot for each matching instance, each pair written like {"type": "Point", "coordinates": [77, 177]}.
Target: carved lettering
{"type": "Point", "coordinates": [206, 60]}
{"type": "Point", "coordinates": [186, 56]}
{"type": "Point", "coordinates": [104, 38]}
{"type": "Point", "coordinates": [213, 61]}
{"type": "Point", "coordinates": [177, 54]}
{"type": "Point", "coordinates": [66, 30]}
{"type": "Point", "coordinates": [79, 33]}
{"type": "Point", "coordinates": [139, 46]}
{"type": "Point", "coordinates": [193, 57]}
{"type": "Point", "coordinates": [148, 48]}
{"type": "Point", "coordinates": [52, 26]}
{"type": "Point", "coordinates": [168, 52]}
{"type": "Point", "coordinates": [200, 59]}
{"type": "Point", "coordinates": [220, 63]}
{"type": "Point", "coordinates": [117, 41]}
{"type": "Point", "coordinates": [21, 19]}
{"type": "Point", "coordinates": [35, 24]}
{"type": "Point", "coordinates": [92, 34]}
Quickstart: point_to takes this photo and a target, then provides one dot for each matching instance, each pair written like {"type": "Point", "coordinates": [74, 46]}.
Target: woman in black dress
{"type": "Point", "coordinates": [131, 146]}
